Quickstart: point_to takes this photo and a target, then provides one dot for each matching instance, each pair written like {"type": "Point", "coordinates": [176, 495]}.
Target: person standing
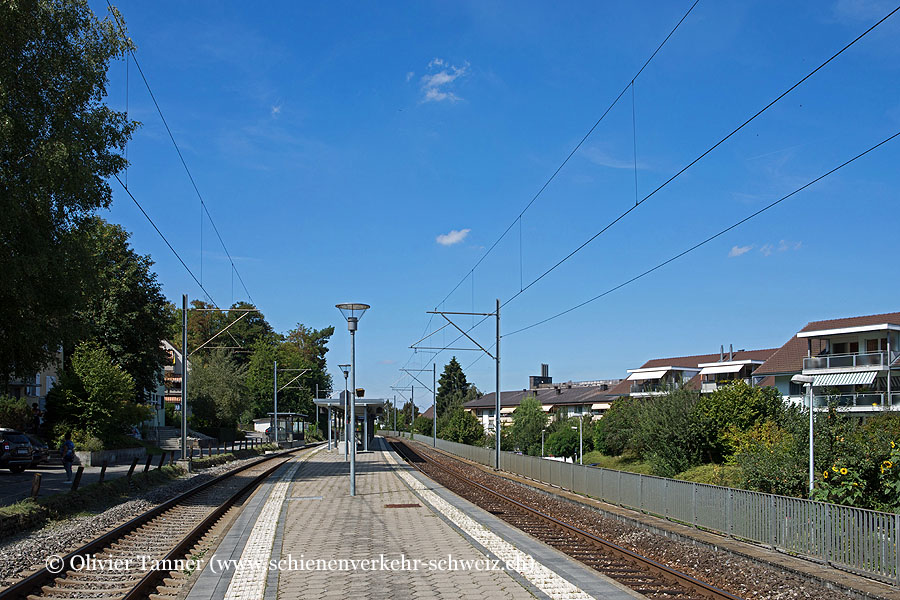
{"type": "Point", "coordinates": [36, 414]}
{"type": "Point", "coordinates": [67, 450]}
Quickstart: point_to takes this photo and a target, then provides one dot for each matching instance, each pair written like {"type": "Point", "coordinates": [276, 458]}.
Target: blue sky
{"type": "Point", "coordinates": [336, 143]}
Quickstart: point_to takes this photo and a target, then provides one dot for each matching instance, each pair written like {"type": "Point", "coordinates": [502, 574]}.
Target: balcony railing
{"type": "Point", "coordinates": [711, 386]}
{"type": "Point", "coordinates": [868, 399]}
{"type": "Point", "coordinates": [845, 361]}
{"type": "Point", "coordinates": [639, 388]}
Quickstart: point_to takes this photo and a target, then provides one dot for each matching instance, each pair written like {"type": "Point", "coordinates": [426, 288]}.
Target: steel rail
{"type": "Point", "coordinates": [22, 589]}
{"type": "Point", "coordinates": [649, 564]}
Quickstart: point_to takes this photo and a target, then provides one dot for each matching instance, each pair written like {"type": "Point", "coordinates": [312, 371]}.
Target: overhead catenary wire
{"type": "Point", "coordinates": [168, 243]}
{"type": "Point", "coordinates": [699, 158]}
{"type": "Point", "coordinates": [572, 152]}
{"type": "Point", "coordinates": [685, 168]}
{"type": "Point", "coordinates": [187, 170]}
{"type": "Point", "coordinates": [471, 272]}
{"type": "Point", "coordinates": [710, 238]}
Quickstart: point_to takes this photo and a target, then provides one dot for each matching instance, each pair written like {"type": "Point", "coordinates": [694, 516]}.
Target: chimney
{"type": "Point", "coordinates": [730, 352]}
{"type": "Point", "coordinates": [721, 353]}
{"type": "Point", "coordinates": [545, 370]}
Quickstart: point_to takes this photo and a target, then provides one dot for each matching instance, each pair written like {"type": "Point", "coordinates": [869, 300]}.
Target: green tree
{"type": "Point", "coordinates": [423, 425]}
{"type": "Point", "coordinates": [529, 419]}
{"type": "Point", "coordinates": [125, 310]}
{"type": "Point", "coordinates": [730, 409]}
{"type": "Point", "coordinates": [59, 144]}
{"type": "Point", "coordinates": [666, 435]}
{"type": "Point", "coordinates": [564, 442]}
{"type": "Point", "coordinates": [95, 397]}
{"type": "Point", "coordinates": [452, 387]}
{"type": "Point", "coordinates": [614, 433]}
{"type": "Point", "coordinates": [216, 391]}
{"type": "Point", "coordinates": [14, 413]}
{"type": "Point", "coordinates": [463, 427]}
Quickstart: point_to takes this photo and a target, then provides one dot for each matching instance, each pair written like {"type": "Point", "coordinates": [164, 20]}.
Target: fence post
{"type": "Point", "coordinates": [147, 464]}
{"type": "Point", "coordinates": [133, 465]}
{"type": "Point", "coordinates": [694, 504]}
{"type": "Point", "coordinates": [829, 540]}
{"type": "Point", "coordinates": [103, 470]}
{"type": "Point", "coordinates": [897, 549]}
{"type": "Point", "coordinates": [773, 534]}
{"type": "Point", "coordinates": [35, 485]}
{"type": "Point", "coordinates": [77, 480]}
{"type": "Point", "coordinates": [619, 488]}
{"type": "Point", "coordinates": [162, 460]}
{"type": "Point", "coordinates": [729, 513]}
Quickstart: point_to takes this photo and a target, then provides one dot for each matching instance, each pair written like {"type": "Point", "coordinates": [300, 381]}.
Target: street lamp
{"type": "Point", "coordinates": [807, 381]}
{"type": "Point", "coordinates": [580, 447]}
{"type": "Point", "coordinates": [345, 369]}
{"type": "Point", "coordinates": [353, 312]}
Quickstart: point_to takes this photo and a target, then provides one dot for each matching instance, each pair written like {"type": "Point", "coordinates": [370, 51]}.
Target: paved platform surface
{"type": "Point", "coordinates": [402, 537]}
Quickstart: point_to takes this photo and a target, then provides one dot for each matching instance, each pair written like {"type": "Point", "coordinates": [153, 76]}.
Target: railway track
{"type": "Point", "coordinates": [644, 575]}
{"type": "Point", "coordinates": [149, 556]}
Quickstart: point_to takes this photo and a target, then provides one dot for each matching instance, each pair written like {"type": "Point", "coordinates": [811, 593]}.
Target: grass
{"type": "Point", "coordinates": [618, 463]}
{"type": "Point", "coordinates": [88, 500]}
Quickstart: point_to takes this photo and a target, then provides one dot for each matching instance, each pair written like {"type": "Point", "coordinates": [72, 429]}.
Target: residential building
{"type": "Point", "coordinates": [34, 388]}
{"type": "Point", "coordinates": [852, 361]}
{"type": "Point", "coordinates": [702, 372]}
{"type": "Point", "coordinates": [568, 399]}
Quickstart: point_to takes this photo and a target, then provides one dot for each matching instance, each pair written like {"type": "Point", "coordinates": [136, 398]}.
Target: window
{"type": "Point", "coordinates": [795, 389]}
{"type": "Point", "coordinates": [854, 347]}
{"type": "Point", "coordinates": [876, 345]}
{"type": "Point", "coordinates": [839, 348]}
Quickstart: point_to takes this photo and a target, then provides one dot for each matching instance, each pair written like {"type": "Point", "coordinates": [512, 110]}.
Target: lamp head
{"type": "Point", "coordinates": [345, 369]}
{"type": "Point", "coordinates": [805, 379]}
{"type": "Point", "coordinates": [352, 311]}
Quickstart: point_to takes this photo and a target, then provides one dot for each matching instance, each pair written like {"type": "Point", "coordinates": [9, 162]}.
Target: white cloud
{"type": "Point", "coordinates": [767, 249]}
{"type": "Point", "coordinates": [786, 245]}
{"type": "Point", "coordinates": [605, 159]}
{"type": "Point", "coordinates": [454, 237]}
{"type": "Point", "coordinates": [276, 110]}
{"type": "Point", "coordinates": [739, 250]}
{"type": "Point", "coordinates": [410, 75]}
{"type": "Point", "coordinates": [435, 86]}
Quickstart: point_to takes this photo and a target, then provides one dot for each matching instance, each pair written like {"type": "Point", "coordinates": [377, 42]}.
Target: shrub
{"type": "Point", "coordinates": [712, 474]}
{"type": "Point", "coordinates": [14, 413]}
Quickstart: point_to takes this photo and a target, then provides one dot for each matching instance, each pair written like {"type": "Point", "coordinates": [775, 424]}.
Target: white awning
{"type": "Point", "coordinates": [647, 375]}
{"type": "Point", "coordinates": [721, 369]}
{"type": "Point", "coordinates": [600, 406]}
{"type": "Point", "coordinates": [508, 410]}
{"type": "Point", "coordinates": [546, 407]}
{"type": "Point", "coordinates": [857, 378]}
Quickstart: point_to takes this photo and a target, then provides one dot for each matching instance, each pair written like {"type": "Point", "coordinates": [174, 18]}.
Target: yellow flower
{"type": "Point", "coordinates": [825, 474]}
{"type": "Point", "coordinates": [834, 468]}
{"type": "Point", "coordinates": [888, 464]}
{"type": "Point", "coordinates": [843, 471]}
{"type": "Point", "coordinates": [893, 445]}
{"type": "Point", "coordinates": [856, 484]}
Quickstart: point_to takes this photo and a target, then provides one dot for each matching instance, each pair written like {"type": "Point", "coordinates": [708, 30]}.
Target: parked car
{"type": "Point", "coordinates": [16, 452]}
{"type": "Point", "coordinates": [40, 452]}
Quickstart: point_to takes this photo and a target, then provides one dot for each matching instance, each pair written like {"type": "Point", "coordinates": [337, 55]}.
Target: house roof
{"type": "Point", "coordinates": [623, 388]}
{"type": "Point", "coordinates": [546, 396]}
{"type": "Point", "coordinates": [789, 358]}
{"type": "Point", "coordinates": [429, 413]}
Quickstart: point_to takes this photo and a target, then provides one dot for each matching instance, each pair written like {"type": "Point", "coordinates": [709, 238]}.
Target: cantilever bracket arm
{"type": "Point", "coordinates": [417, 379]}
{"type": "Point", "coordinates": [219, 333]}
{"type": "Point", "coordinates": [471, 339]}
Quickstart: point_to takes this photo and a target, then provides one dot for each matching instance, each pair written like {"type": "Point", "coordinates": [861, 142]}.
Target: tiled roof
{"type": "Point", "coordinates": [623, 388]}
{"type": "Point", "coordinates": [546, 396]}
{"type": "Point", "coordinates": [892, 318]}
{"type": "Point", "coordinates": [789, 358]}
{"type": "Point", "coordinates": [428, 413]}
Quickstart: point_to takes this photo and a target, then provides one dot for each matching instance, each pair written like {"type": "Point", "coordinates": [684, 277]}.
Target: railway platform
{"type": "Point", "coordinates": [402, 537]}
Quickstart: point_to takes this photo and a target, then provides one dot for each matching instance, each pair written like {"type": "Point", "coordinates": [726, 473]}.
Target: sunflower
{"type": "Point", "coordinates": [843, 471]}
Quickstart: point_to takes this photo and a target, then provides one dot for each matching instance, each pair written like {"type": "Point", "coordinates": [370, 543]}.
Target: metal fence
{"type": "Point", "coordinates": [862, 541]}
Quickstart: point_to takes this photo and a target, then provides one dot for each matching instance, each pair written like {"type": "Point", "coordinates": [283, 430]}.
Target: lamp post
{"type": "Point", "coordinates": [580, 447]}
{"type": "Point", "coordinates": [352, 311]}
{"type": "Point", "coordinates": [807, 381]}
{"type": "Point", "coordinates": [542, 442]}
{"type": "Point", "coordinates": [345, 369]}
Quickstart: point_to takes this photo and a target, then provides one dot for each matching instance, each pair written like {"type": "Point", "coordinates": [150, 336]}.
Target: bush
{"type": "Point", "coordinates": [14, 413]}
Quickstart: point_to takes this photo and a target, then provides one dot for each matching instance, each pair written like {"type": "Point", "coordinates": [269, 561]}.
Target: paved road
{"type": "Point", "coordinates": [17, 486]}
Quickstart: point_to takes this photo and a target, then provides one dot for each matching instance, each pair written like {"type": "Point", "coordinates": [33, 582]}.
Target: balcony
{"type": "Point", "coordinates": [867, 400]}
{"type": "Point", "coordinates": [707, 387]}
{"type": "Point", "coordinates": [845, 361]}
{"type": "Point", "coordinates": [649, 388]}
